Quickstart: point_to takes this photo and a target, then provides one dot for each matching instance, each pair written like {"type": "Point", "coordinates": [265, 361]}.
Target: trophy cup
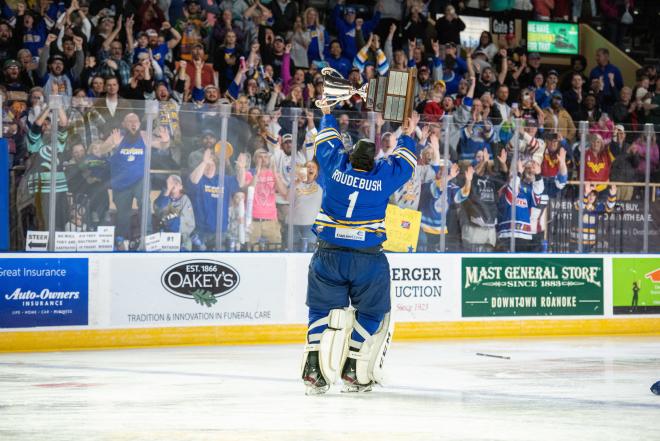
{"type": "Point", "coordinates": [392, 96]}
{"type": "Point", "coordinates": [336, 88]}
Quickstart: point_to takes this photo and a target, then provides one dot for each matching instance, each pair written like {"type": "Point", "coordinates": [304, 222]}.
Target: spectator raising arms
{"type": "Point", "coordinates": [351, 29]}
{"type": "Point", "coordinates": [127, 168]}
{"type": "Point", "coordinates": [317, 36]}
{"type": "Point", "coordinates": [448, 27]}
{"type": "Point", "coordinates": [39, 174]}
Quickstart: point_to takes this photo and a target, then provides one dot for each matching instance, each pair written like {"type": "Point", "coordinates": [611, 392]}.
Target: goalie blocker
{"type": "Point", "coordinates": [336, 354]}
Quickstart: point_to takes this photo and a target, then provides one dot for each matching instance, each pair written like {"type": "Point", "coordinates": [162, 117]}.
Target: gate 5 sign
{"type": "Point", "coordinates": [494, 286]}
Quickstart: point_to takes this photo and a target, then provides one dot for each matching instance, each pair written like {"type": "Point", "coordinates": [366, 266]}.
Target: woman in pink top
{"type": "Point", "coordinates": [266, 183]}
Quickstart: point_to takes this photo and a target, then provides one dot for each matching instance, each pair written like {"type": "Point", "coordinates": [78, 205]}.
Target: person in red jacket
{"type": "Point", "coordinates": [597, 160]}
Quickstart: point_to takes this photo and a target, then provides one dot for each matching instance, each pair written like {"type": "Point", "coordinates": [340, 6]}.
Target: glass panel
{"type": "Point", "coordinates": [106, 153]}
{"type": "Point", "coordinates": [270, 205]}
{"type": "Point", "coordinates": [207, 178]}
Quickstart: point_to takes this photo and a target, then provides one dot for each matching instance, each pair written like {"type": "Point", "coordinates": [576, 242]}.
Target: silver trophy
{"type": "Point", "coordinates": [337, 89]}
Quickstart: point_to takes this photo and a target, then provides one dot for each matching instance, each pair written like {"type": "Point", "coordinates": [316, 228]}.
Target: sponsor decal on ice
{"type": "Point", "coordinates": [201, 280]}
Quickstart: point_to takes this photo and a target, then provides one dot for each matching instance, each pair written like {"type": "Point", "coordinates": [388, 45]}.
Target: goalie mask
{"type": "Point", "coordinates": [363, 155]}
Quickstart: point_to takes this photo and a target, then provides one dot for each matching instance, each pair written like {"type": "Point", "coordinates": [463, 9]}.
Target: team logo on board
{"type": "Point", "coordinates": [201, 280]}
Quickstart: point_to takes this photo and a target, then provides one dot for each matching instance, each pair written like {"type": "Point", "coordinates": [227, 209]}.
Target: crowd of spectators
{"type": "Point", "coordinates": [106, 57]}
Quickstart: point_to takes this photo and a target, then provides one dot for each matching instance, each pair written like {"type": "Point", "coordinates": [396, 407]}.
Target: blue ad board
{"type": "Point", "coordinates": [43, 292]}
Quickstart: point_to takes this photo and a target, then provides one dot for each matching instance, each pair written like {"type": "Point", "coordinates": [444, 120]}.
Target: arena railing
{"type": "Point", "coordinates": [126, 192]}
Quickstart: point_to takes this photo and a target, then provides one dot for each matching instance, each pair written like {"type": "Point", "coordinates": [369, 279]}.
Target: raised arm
{"type": "Point", "coordinates": [340, 24]}
{"type": "Point", "coordinates": [387, 47]}
{"type": "Point", "coordinates": [130, 40]}
{"type": "Point", "coordinates": [370, 25]}
{"type": "Point", "coordinates": [504, 67]}
{"type": "Point", "coordinates": [112, 35]}
{"type": "Point", "coordinates": [176, 36]}
{"type": "Point", "coordinates": [403, 160]}
{"type": "Point", "coordinates": [470, 92]}
{"type": "Point", "coordinates": [249, 12]}
{"type": "Point", "coordinates": [286, 68]}
{"type": "Point", "coordinates": [363, 55]}
{"type": "Point", "coordinates": [198, 172]}
{"type": "Point", "coordinates": [79, 63]}
{"type": "Point", "coordinates": [467, 187]}
{"type": "Point", "coordinates": [163, 140]}
{"type": "Point", "coordinates": [111, 141]}
{"type": "Point", "coordinates": [328, 144]}
{"type": "Point", "coordinates": [45, 54]}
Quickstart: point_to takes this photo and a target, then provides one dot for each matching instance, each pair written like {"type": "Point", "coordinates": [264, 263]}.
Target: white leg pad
{"type": "Point", "coordinates": [371, 357]}
{"type": "Point", "coordinates": [333, 345]}
{"type": "Point", "coordinates": [333, 348]}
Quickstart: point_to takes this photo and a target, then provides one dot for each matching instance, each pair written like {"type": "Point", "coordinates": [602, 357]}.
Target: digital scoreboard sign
{"type": "Point", "coordinates": [552, 38]}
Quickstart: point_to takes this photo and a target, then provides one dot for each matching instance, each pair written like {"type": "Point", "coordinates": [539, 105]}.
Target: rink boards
{"type": "Point", "coordinates": [98, 300]}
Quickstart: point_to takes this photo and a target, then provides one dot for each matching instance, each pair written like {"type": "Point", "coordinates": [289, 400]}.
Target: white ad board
{"type": "Point", "coordinates": [198, 289]}
{"type": "Point", "coordinates": [425, 288]}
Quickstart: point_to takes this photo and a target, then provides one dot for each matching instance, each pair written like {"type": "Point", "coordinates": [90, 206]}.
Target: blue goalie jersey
{"type": "Point", "coordinates": [354, 201]}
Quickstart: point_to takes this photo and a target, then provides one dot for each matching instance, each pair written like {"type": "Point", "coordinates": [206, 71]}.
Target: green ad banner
{"type": "Point", "coordinates": [552, 38]}
{"type": "Point", "coordinates": [516, 287]}
{"type": "Point", "coordinates": [636, 285]}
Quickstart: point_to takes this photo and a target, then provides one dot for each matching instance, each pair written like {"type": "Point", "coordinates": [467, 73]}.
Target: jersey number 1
{"type": "Point", "coordinates": [353, 198]}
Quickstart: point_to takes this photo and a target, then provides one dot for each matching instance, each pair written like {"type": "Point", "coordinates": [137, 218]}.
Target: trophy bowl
{"type": "Point", "coordinates": [337, 89]}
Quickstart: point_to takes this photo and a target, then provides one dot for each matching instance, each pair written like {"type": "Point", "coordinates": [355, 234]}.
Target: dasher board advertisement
{"type": "Point", "coordinates": [510, 287]}
{"type": "Point", "coordinates": [198, 289]}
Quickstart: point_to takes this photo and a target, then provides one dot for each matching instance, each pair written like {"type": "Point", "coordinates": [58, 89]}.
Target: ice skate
{"type": "Point", "coordinates": [315, 384]}
{"type": "Point", "coordinates": [349, 377]}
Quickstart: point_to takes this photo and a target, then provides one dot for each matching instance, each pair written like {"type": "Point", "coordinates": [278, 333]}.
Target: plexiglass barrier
{"type": "Point", "coordinates": [101, 175]}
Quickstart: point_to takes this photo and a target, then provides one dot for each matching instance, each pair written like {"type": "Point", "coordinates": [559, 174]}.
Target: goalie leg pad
{"type": "Point", "coordinates": [333, 348]}
{"type": "Point", "coordinates": [331, 344]}
{"type": "Point", "coordinates": [370, 357]}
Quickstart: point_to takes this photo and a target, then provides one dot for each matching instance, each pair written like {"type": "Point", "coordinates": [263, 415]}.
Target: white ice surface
{"type": "Point", "coordinates": [559, 389]}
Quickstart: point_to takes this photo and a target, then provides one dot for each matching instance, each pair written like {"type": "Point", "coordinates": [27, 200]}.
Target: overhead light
{"type": "Point", "coordinates": [627, 50]}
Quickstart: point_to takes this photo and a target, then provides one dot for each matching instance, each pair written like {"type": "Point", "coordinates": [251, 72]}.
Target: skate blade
{"type": "Point", "coordinates": [356, 388]}
{"type": "Point", "coordinates": [311, 390]}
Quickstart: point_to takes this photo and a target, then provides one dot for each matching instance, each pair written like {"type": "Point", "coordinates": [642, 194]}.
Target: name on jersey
{"type": "Point", "coordinates": [357, 182]}
{"type": "Point", "coordinates": [131, 151]}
